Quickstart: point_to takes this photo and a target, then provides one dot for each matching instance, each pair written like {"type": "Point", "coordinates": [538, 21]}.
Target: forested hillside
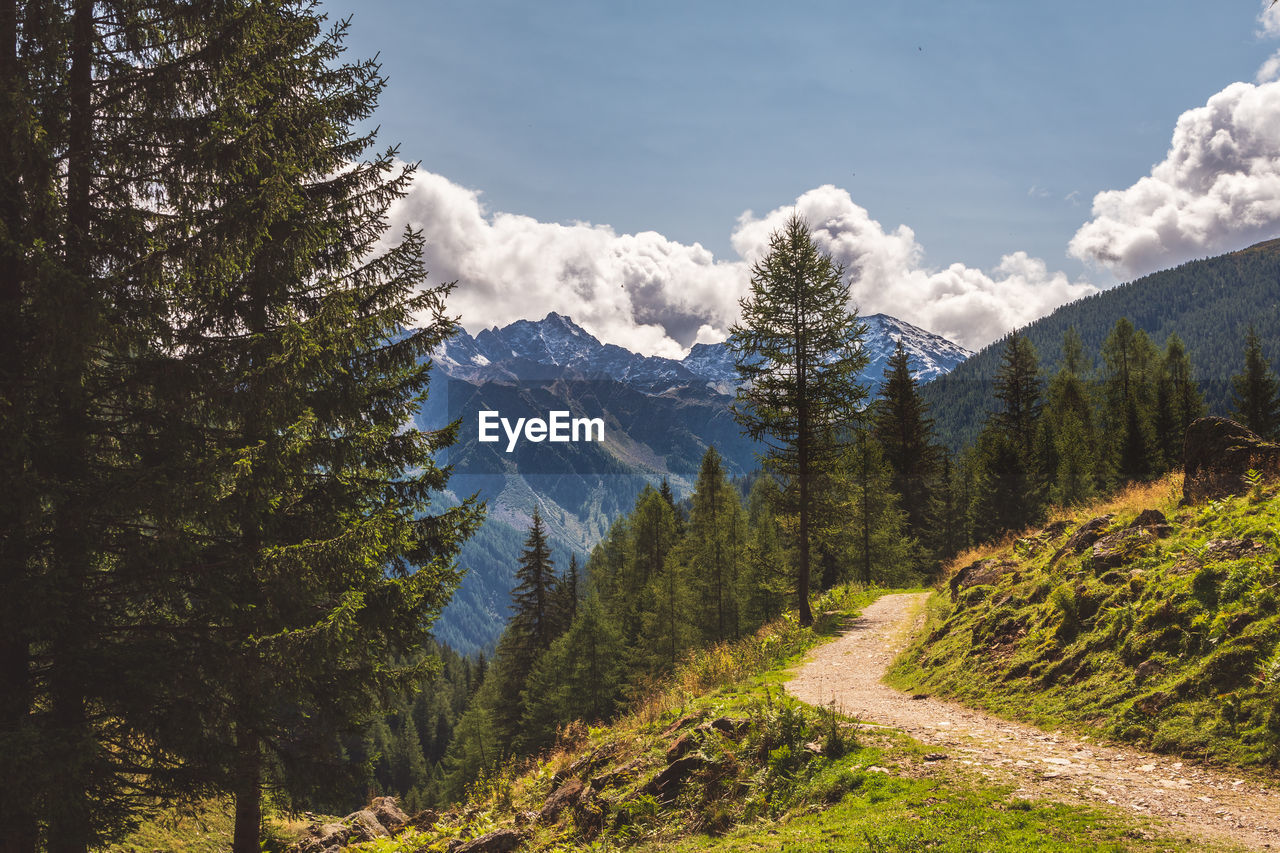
{"type": "Point", "coordinates": [1209, 303]}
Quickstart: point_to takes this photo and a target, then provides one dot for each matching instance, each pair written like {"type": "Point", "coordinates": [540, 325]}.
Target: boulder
{"type": "Point", "coordinates": [1232, 549]}
{"type": "Point", "coordinates": [355, 828]}
{"type": "Point", "coordinates": [388, 813]}
{"type": "Point", "coordinates": [498, 841]}
{"type": "Point", "coordinates": [668, 783]}
{"type": "Point", "coordinates": [1116, 549]}
{"type": "Point", "coordinates": [1149, 518]}
{"type": "Point", "coordinates": [731, 728]}
{"type": "Point", "coordinates": [1216, 456]}
{"type": "Point", "coordinates": [1088, 533]}
{"type": "Point", "coordinates": [684, 745]}
{"type": "Point", "coordinates": [980, 573]}
{"type": "Point", "coordinates": [566, 796]}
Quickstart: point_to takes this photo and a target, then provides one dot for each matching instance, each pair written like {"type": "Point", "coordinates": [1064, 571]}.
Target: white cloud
{"type": "Point", "coordinates": [641, 291]}
{"type": "Point", "coordinates": [966, 305]}
{"type": "Point", "coordinates": [656, 296]}
{"type": "Point", "coordinates": [1217, 189]}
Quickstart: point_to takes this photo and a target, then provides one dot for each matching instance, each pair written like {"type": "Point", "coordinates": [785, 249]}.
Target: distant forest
{"type": "Point", "coordinates": [1209, 303]}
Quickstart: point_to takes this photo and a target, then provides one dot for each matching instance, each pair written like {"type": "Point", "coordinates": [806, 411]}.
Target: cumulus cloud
{"type": "Point", "coordinates": [657, 296]}
{"type": "Point", "coordinates": [1217, 189]}
{"type": "Point", "coordinates": [966, 305]}
{"type": "Point", "coordinates": [641, 291]}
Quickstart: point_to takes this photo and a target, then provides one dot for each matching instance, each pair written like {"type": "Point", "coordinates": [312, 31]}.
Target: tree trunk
{"type": "Point", "coordinates": [248, 794]}
{"type": "Point", "coordinates": [69, 813]}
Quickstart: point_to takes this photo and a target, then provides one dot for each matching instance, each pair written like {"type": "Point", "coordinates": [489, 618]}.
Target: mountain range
{"type": "Point", "coordinates": [660, 416]}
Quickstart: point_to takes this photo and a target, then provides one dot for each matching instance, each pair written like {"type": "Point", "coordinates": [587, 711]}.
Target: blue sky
{"type": "Point", "coordinates": [986, 128]}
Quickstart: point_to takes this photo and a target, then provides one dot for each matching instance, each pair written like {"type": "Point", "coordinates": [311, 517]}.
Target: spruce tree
{"type": "Point", "coordinates": [708, 557]}
{"type": "Point", "coordinates": [798, 349]}
{"type": "Point", "coordinates": [1009, 489]}
{"type": "Point", "coordinates": [1129, 391]}
{"type": "Point", "coordinates": [904, 432]}
{"type": "Point", "coordinates": [1178, 401]}
{"type": "Point", "coordinates": [1256, 391]}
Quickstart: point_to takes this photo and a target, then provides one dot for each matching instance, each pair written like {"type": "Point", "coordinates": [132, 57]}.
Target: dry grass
{"type": "Point", "coordinates": [1163, 494]}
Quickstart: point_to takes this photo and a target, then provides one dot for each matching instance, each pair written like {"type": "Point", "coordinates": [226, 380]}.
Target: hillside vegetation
{"type": "Point", "coordinates": [720, 759]}
{"type": "Point", "coordinates": [1208, 303]}
{"type": "Point", "coordinates": [1148, 621]}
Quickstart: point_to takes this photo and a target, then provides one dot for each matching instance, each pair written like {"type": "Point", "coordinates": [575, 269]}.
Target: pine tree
{"type": "Point", "coordinates": [1129, 390]}
{"type": "Point", "coordinates": [534, 598]}
{"type": "Point", "coordinates": [1178, 401]}
{"type": "Point", "coordinates": [1009, 490]}
{"type": "Point", "coordinates": [1071, 462]}
{"type": "Point", "coordinates": [664, 632]}
{"type": "Point", "coordinates": [904, 432]}
{"type": "Point", "coordinates": [763, 582]}
{"type": "Point", "coordinates": [708, 557]}
{"type": "Point", "coordinates": [798, 350]}
{"type": "Point", "coordinates": [879, 546]}
{"type": "Point", "coordinates": [580, 677]}
{"type": "Point", "coordinates": [1256, 391]}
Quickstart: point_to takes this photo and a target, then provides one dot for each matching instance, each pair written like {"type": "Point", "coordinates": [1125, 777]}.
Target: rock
{"type": "Point", "coordinates": [566, 796]}
{"type": "Point", "coordinates": [668, 783]}
{"type": "Point", "coordinates": [322, 838]}
{"type": "Point", "coordinates": [679, 724]}
{"type": "Point", "coordinates": [1149, 518]}
{"type": "Point", "coordinates": [1216, 455]}
{"type": "Point", "coordinates": [355, 828]}
{"type": "Point", "coordinates": [980, 573]}
{"type": "Point", "coordinates": [365, 826]}
{"type": "Point", "coordinates": [1053, 531]}
{"type": "Point", "coordinates": [1116, 549]}
{"type": "Point", "coordinates": [605, 780]}
{"type": "Point", "coordinates": [1232, 549]}
{"type": "Point", "coordinates": [590, 761]}
{"type": "Point", "coordinates": [498, 841]}
{"type": "Point", "coordinates": [934, 756]}
{"type": "Point", "coordinates": [730, 727]}
{"type": "Point", "coordinates": [814, 747]}
{"type": "Point", "coordinates": [685, 744]}
{"type": "Point", "coordinates": [1090, 532]}
{"type": "Point", "coordinates": [388, 813]}
{"type": "Point", "coordinates": [1146, 669]}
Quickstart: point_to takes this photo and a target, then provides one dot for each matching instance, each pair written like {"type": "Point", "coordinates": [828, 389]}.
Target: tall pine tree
{"type": "Point", "coordinates": [798, 349]}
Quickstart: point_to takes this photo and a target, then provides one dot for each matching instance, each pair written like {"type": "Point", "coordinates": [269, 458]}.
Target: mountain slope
{"type": "Point", "coordinates": [1209, 303]}
{"type": "Point", "coordinates": [1164, 632]}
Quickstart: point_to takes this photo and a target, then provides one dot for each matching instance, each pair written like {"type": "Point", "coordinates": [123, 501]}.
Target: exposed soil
{"type": "Point", "coordinates": [1184, 797]}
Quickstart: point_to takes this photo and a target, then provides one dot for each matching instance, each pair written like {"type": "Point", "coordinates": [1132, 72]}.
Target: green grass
{"type": "Point", "coordinates": [1175, 650]}
{"type": "Point", "coordinates": [861, 789]}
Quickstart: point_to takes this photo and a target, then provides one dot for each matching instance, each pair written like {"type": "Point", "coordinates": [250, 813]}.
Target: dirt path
{"type": "Point", "coordinates": [1188, 798]}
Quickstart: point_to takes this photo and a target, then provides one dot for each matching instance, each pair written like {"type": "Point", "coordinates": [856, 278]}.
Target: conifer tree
{"type": "Point", "coordinates": [1071, 460]}
{"type": "Point", "coordinates": [580, 677]}
{"type": "Point", "coordinates": [708, 556]}
{"type": "Point", "coordinates": [1256, 391]}
{"type": "Point", "coordinates": [1178, 401]}
{"type": "Point", "coordinates": [1008, 489]}
{"type": "Point", "coordinates": [763, 584]}
{"type": "Point", "coordinates": [798, 350]}
{"type": "Point", "coordinates": [1129, 389]}
{"type": "Point", "coordinates": [904, 432]}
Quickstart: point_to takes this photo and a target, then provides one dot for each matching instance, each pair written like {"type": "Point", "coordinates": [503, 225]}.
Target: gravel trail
{"type": "Point", "coordinates": [1185, 797]}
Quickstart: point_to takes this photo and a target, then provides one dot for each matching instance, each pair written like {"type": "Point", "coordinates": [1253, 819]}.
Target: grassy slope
{"type": "Point", "coordinates": [1175, 650]}
{"type": "Point", "coordinates": [868, 790]}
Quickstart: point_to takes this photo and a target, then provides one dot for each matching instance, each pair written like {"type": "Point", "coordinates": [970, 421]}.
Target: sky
{"type": "Point", "coordinates": [973, 165]}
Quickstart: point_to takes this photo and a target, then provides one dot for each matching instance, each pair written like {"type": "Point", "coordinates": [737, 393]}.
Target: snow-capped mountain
{"type": "Point", "coordinates": [527, 348]}
{"type": "Point", "coordinates": [662, 414]}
